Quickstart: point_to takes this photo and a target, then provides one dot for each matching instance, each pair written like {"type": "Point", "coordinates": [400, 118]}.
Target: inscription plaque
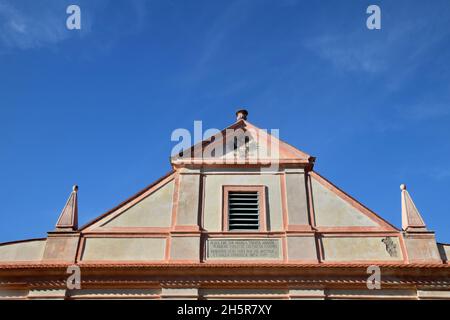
{"type": "Point", "coordinates": [243, 248]}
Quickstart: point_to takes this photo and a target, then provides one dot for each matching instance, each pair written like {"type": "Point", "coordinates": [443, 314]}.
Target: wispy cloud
{"type": "Point", "coordinates": [395, 51]}
{"type": "Point", "coordinates": [364, 51]}
{"type": "Point", "coordinates": [28, 24]}
{"type": "Point", "coordinates": [227, 22]}
{"type": "Point", "coordinates": [343, 53]}
{"type": "Point", "coordinates": [30, 28]}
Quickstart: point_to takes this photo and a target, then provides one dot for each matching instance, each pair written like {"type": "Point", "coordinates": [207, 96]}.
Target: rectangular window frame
{"type": "Point", "coordinates": [261, 206]}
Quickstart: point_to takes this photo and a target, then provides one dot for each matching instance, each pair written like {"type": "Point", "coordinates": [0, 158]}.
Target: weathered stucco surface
{"type": "Point", "coordinates": [422, 249]}
{"type": "Point", "coordinates": [114, 293]}
{"type": "Point", "coordinates": [237, 293]}
{"type": "Point", "coordinates": [61, 248]}
{"type": "Point", "coordinates": [379, 294]}
{"type": "Point", "coordinates": [297, 203]}
{"type": "Point", "coordinates": [301, 248]}
{"type": "Point", "coordinates": [360, 248]}
{"type": "Point", "coordinates": [131, 249]}
{"type": "Point", "coordinates": [433, 294]}
{"type": "Point", "coordinates": [188, 199]}
{"type": "Point", "coordinates": [225, 293]}
{"type": "Point", "coordinates": [185, 248]}
{"type": "Point", "coordinates": [332, 211]}
{"type": "Point", "coordinates": [153, 211]}
{"type": "Point", "coordinates": [22, 251]}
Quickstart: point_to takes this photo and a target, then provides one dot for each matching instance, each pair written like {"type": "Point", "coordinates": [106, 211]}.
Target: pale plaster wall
{"type": "Point", "coordinates": [214, 198]}
{"type": "Point", "coordinates": [422, 249]}
{"type": "Point", "coordinates": [301, 248]}
{"type": "Point", "coordinates": [185, 248]}
{"type": "Point", "coordinates": [189, 195]}
{"type": "Point", "coordinates": [332, 211]}
{"type": "Point", "coordinates": [61, 248]}
{"type": "Point", "coordinates": [6, 294]}
{"type": "Point", "coordinates": [374, 294]}
{"type": "Point", "coordinates": [239, 293]}
{"type": "Point", "coordinates": [22, 251]}
{"type": "Point", "coordinates": [153, 211]}
{"type": "Point", "coordinates": [179, 293]}
{"type": "Point", "coordinates": [44, 294]}
{"type": "Point", "coordinates": [224, 293]}
{"type": "Point", "coordinates": [296, 199]}
{"type": "Point", "coordinates": [359, 248]}
{"type": "Point", "coordinates": [114, 293]}
{"type": "Point", "coordinates": [120, 249]}
{"type": "Point", "coordinates": [309, 294]}
{"type": "Point", "coordinates": [433, 294]}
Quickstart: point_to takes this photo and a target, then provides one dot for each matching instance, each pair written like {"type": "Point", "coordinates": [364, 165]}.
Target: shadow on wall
{"type": "Point", "coordinates": [267, 210]}
{"type": "Point", "coordinates": [444, 250]}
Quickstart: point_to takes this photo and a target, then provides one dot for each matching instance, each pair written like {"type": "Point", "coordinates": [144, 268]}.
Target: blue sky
{"type": "Point", "coordinates": [97, 106]}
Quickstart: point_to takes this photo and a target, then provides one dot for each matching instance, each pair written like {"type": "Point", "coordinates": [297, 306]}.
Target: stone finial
{"type": "Point", "coordinates": [411, 218]}
{"type": "Point", "coordinates": [68, 219]}
{"type": "Point", "coordinates": [241, 114]}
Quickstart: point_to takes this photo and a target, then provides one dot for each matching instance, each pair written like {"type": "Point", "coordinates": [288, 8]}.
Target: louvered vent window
{"type": "Point", "coordinates": [243, 210]}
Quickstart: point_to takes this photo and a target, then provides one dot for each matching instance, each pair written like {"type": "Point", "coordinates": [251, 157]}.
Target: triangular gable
{"type": "Point", "coordinates": [333, 208]}
{"type": "Point", "coordinates": [242, 143]}
{"type": "Point", "coordinates": [150, 207]}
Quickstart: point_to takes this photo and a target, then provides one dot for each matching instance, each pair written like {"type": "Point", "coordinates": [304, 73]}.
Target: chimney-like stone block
{"type": "Point", "coordinates": [422, 248]}
{"type": "Point", "coordinates": [61, 247]}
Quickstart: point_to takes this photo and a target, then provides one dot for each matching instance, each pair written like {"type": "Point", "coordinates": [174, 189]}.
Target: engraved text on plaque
{"type": "Point", "coordinates": [243, 248]}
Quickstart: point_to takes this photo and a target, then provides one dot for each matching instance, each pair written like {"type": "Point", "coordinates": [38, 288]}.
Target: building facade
{"type": "Point", "coordinates": [241, 215]}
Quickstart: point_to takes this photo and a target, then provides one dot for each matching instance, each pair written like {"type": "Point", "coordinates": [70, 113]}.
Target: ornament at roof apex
{"type": "Point", "coordinates": [411, 217]}
{"type": "Point", "coordinates": [241, 114]}
{"type": "Point", "coordinates": [68, 219]}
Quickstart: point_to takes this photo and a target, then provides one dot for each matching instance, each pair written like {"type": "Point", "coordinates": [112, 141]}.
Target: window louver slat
{"type": "Point", "coordinates": [243, 210]}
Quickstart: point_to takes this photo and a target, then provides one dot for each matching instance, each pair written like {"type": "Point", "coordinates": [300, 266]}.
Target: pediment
{"type": "Point", "coordinates": [242, 143]}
